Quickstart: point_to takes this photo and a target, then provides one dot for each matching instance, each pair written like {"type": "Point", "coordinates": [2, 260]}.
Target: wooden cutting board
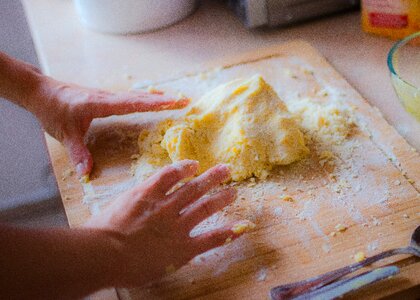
{"type": "Point", "coordinates": [371, 187]}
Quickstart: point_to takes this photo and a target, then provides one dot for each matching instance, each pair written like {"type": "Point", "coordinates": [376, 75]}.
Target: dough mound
{"type": "Point", "coordinates": [243, 124]}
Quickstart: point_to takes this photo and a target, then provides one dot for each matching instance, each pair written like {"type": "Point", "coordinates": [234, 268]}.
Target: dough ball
{"type": "Point", "coordinates": [243, 124]}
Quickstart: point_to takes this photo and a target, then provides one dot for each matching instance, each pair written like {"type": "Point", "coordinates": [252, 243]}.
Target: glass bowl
{"type": "Point", "coordinates": [404, 65]}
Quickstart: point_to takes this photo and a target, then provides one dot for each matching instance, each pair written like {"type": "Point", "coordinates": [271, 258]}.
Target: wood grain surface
{"type": "Point", "coordinates": [372, 189]}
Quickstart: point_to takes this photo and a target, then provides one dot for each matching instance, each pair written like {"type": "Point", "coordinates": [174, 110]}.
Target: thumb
{"type": "Point", "coordinates": [79, 154]}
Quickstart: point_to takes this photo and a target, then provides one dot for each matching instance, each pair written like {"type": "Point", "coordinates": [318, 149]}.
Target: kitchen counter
{"type": "Point", "coordinates": [69, 52]}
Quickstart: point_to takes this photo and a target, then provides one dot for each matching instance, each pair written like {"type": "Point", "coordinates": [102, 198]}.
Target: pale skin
{"type": "Point", "coordinates": [141, 236]}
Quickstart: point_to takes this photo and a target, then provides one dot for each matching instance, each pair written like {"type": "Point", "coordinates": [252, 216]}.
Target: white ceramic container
{"type": "Point", "coordinates": [132, 16]}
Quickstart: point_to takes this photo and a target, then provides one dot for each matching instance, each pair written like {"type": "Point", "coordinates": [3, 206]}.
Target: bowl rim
{"type": "Point", "coordinates": [392, 51]}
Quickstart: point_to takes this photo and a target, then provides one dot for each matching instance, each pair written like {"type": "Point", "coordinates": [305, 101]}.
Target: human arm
{"type": "Point", "coordinates": [53, 263]}
{"type": "Point", "coordinates": [141, 236]}
{"type": "Point", "coordinates": [66, 110]}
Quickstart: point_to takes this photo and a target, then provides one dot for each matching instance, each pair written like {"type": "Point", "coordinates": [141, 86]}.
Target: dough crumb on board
{"type": "Point", "coordinates": [359, 256]}
{"type": "Point", "coordinates": [340, 227]}
{"type": "Point", "coordinates": [242, 227]}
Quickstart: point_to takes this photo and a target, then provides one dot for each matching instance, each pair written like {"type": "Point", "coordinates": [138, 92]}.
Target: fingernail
{"type": "Point", "coordinates": [190, 162]}
{"type": "Point", "coordinates": [194, 165]}
{"type": "Point", "coordinates": [184, 100]}
{"type": "Point", "coordinates": [224, 170]}
{"type": "Point", "coordinates": [232, 191]}
{"type": "Point", "coordinates": [80, 169]}
{"type": "Point", "coordinates": [187, 163]}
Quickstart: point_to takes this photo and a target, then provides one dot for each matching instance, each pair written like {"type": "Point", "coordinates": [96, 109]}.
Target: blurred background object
{"type": "Point", "coordinates": [404, 65]}
{"type": "Point", "coordinates": [132, 16]}
{"type": "Point", "coordinates": [272, 13]}
{"type": "Point", "coordinates": [391, 18]}
{"type": "Point", "coordinates": [28, 189]}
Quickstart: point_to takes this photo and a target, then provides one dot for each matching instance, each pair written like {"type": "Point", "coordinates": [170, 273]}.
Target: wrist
{"type": "Point", "coordinates": [19, 81]}
{"type": "Point", "coordinates": [39, 97]}
{"type": "Point", "coordinates": [106, 247]}
{"type": "Point", "coordinates": [58, 263]}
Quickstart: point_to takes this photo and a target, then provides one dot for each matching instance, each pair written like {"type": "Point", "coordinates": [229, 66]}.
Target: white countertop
{"type": "Point", "coordinates": [69, 52]}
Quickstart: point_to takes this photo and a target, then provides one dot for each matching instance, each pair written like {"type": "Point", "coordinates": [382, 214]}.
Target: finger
{"type": "Point", "coordinates": [221, 236]}
{"type": "Point", "coordinates": [162, 181]}
{"type": "Point", "coordinates": [79, 154]}
{"type": "Point", "coordinates": [125, 103]}
{"type": "Point", "coordinates": [199, 186]}
{"type": "Point", "coordinates": [206, 207]}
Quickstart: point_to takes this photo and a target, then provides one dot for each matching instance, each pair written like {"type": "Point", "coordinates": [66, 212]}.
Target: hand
{"type": "Point", "coordinates": [153, 226]}
{"type": "Point", "coordinates": [66, 111]}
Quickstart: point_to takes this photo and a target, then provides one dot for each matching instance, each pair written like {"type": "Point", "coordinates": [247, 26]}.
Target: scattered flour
{"type": "Point", "coordinates": [373, 246]}
{"type": "Point", "coordinates": [278, 211]}
{"type": "Point", "coordinates": [262, 274]}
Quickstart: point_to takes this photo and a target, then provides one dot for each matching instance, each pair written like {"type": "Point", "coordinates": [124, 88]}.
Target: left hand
{"type": "Point", "coordinates": [66, 111]}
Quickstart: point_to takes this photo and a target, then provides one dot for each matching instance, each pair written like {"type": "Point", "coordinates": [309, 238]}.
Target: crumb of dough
{"type": "Point", "coordinates": [251, 184]}
{"type": "Point", "coordinates": [84, 179]}
{"type": "Point", "coordinates": [325, 157]}
{"type": "Point", "coordinates": [340, 228]}
{"type": "Point", "coordinates": [333, 177]}
{"type": "Point", "coordinates": [359, 256]}
{"type": "Point", "coordinates": [228, 240]}
{"type": "Point", "coordinates": [170, 269]}
{"type": "Point", "coordinates": [242, 227]}
{"type": "Point", "coordinates": [288, 198]}
{"type": "Point", "coordinates": [66, 174]}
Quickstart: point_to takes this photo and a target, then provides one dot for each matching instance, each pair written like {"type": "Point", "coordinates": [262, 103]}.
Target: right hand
{"type": "Point", "coordinates": [67, 110]}
{"type": "Point", "coordinates": [152, 226]}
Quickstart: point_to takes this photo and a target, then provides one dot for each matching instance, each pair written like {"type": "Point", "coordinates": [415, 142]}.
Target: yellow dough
{"type": "Point", "coordinates": [243, 124]}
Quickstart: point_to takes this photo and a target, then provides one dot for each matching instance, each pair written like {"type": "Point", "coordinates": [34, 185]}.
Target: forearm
{"type": "Point", "coordinates": [55, 263]}
{"type": "Point", "coordinates": [19, 81]}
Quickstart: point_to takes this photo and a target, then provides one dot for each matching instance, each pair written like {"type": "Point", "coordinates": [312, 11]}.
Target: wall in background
{"type": "Point", "coordinates": [28, 190]}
